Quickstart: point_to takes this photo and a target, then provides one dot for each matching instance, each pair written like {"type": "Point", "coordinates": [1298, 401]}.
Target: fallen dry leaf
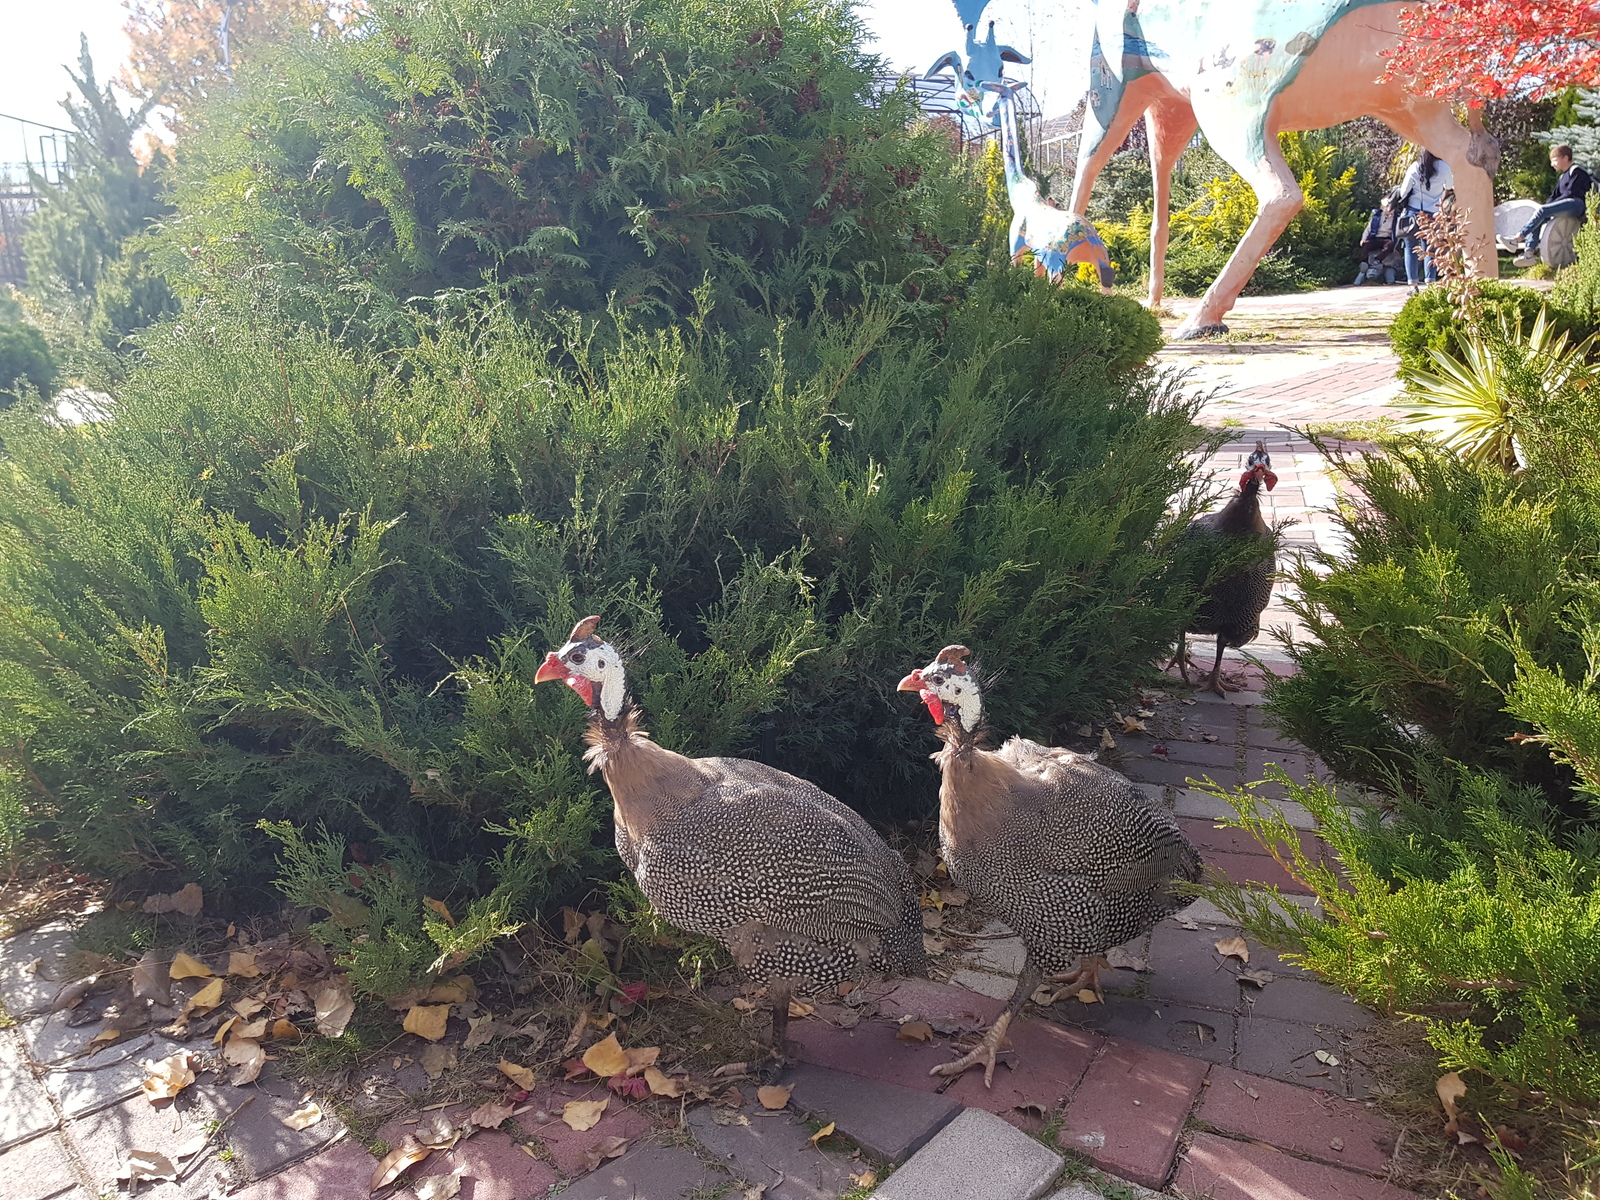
{"type": "Point", "coordinates": [1451, 1088]}
{"type": "Point", "coordinates": [147, 1164]}
{"type": "Point", "coordinates": [1133, 725]}
{"type": "Point", "coordinates": [398, 1161]}
{"type": "Point", "coordinates": [1257, 977]}
{"type": "Point", "coordinates": [822, 1133]}
{"type": "Point", "coordinates": [456, 990]}
{"type": "Point", "coordinates": [1187, 923]}
{"type": "Point", "coordinates": [427, 1020]}
{"type": "Point", "coordinates": [188, 900]}
{"type": "Point", "coordinates": [932, 945]}
{"type": "Point", "coordinates": [304, 1117]}
{"type": "Point", "coordinates": [660, 1083]}
{"type": "Point", "coordinates": [864, 1180]}
{"type": "Point", "coordinates": [1107, 742]}
{"type": "Point", "coordinates": [436, 1059]}
{"type": "Point", "coordinates": [914, 1031]}
{"type": "Point", "coordinates": [1088, 996]}
{"type": "Point", "coordinates": [610, 1147]}
{"type": "Point", "coordinates": [440, 907]}
{"type": "Point", "coordinates": [150, 979]}
{"type": "Point", "coordinates": [584, 1114]}
{"type": "Point", "coordinates": [438, 1132]}
{"type": "Point", "coordinates": [204, 1000]}
{"type": "Point", "coordinates": [166, 1078]}
{"type": "Point", "coordinates": [1322, 1056]}
{"type": "Point", "coordinates": [1234, 947]}
{"type": "Point", "coordinates": [606, 1058]}
{"type": "Point", "coordinates": [1124, 959]}
{"type": "Point", "coordinates": [932, 918]}
{"type": "Point", "coordinates": [246, 1057]}
{"type": "Point", "coordinates": [1145, 712]}
{"type": "Point", "coordinates": [437, 1187]}
{"type": "Point", "coordinates": [740, 1004]}
{"type": "Point", "coordinates": [773, 1096]}
{"type": "Point", "coordinates": [243, 965]}
{"type": "Point", "coordinates": [799, 1009]}
{"type": "Point", "coordinates": [480, 1030]}
{"type": "Point", "coordinates": [255, 1029]}
{"type": "Point", "coordinates": [724, 1117]}
{"type": "Point", "coordinates": [222, 1030]}
{"type": "Point", "coordinates": [185, 967]}
{"type": "Point", "coordinates": [284, 1030]}
{"type": "Point", "coordinates": [640, 1057]}
{"type": "Point", "coordinates": [247, 1006]}
{"type": "Point", "coordinates": [521, 1076]}
{"type": "Point", "coordinates": [491, 1115]}
{"type": "Point", "coordinates": [334, 1007]}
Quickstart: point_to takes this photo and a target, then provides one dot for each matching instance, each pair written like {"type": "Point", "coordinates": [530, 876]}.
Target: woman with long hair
{"type": "Point", "coordinates": [1425, 185]}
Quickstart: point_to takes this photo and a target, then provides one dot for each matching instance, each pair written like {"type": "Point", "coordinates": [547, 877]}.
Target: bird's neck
{"type": "Point", "coordinates": [639, 773]}
{"type": "Point", "coordinates": [976, 791]}
{"type": "Point", "coordinates": [1020, 190]}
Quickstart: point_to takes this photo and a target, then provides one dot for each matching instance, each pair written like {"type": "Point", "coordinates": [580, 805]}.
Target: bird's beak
{"type": "Point", "coordinates": [551, 668]}
{"type": "Point", "coordinates": [911, 683]}
{"type": "Point", "coordinates": [915, 683]}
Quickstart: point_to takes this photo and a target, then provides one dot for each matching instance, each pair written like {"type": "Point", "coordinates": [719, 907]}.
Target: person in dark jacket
{"type": "Point", "coordinates": [1568, 198]}
{"type": "Point", "coordinates": [1380, 244]}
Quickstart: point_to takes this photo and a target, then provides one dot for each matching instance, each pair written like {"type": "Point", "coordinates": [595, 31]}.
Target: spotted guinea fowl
{"type": "Point", "coordinates": [1233, 604]}
{"type": "Point", "coordinates": [795, 884]}
{"type": "Point", "coordinates": [1067, 852]}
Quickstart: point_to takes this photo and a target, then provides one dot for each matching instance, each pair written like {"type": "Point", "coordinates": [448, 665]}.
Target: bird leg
{"type": "Point", "coordinates": [779, 992]}
{"type": "Point", "coordinates": [1215, 684]}
{"type": "Point", "coordinates": [985, 1050]}
{"type": "Point", "coordinates": [1181, 658]}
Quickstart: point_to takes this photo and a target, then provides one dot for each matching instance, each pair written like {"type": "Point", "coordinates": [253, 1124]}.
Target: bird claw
{"type": "Point", "coordinates": [984, 1053]}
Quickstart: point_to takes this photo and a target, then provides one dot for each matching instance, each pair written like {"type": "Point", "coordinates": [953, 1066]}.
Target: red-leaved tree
{"type": "Point", "coordinates": [1476, 50]}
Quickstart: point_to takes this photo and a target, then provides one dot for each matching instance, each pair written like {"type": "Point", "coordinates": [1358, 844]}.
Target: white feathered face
{"type": "Point", "coordinates": [947, 682]}
{"type": "Point", "coordinates": [584, 662]}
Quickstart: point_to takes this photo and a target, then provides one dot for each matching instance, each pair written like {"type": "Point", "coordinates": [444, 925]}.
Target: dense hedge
{"type": "Point", "coordinates": [1426, 322]}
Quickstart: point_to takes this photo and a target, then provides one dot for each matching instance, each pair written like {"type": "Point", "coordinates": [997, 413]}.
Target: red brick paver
{"type": "Point", "coordinates": [1130, 1108]}
{"type": "Point", "coordinates": [1217, 1168]}
{"type": "Point", "coordinates": [1304, 1120]}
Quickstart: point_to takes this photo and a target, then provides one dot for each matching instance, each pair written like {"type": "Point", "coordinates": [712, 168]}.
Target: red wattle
{"type": "Point", "coordinates": [583, 687]}
{"type": "Point", "coordinates": [935, 706]}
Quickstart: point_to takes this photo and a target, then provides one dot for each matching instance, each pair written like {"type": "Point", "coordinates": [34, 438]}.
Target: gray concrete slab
{"type": "Point", "coordinates": [888, 1122]}
{"type": "Point", "coordinates": [977, 1156]}
{"type": "Point", "coordinates": [1191, 802]}
{"type": "Point", "coordinates": [25, 1110]}
{"type": "Point", "coordinates": [37, 1169]}
{"type": "Point", "coordinates": [985, 984]}
{"type": "Point", "coordinates": [33, 968]}
{"type": "Point", "coordinates": [1202, 1033]}
{"type": "Point", "coordinates": [650, 1173]}
{"type": "Point", "coordinates": [51, 1039]}
{"type": "Point", "coordinates": [89, 1084]}
{"type": "Point", "coordinates": [772, 1150]}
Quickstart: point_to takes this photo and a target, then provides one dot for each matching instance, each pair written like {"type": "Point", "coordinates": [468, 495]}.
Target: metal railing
{"type": "Point", "coordinates": [44, 153]}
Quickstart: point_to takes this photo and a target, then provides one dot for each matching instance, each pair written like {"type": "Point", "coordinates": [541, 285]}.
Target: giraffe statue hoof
{"type": "Point", "coordinates": [1188, 333]}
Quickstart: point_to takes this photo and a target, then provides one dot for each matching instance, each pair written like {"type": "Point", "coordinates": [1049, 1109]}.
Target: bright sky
{"type": "Point", "coordinates": [41, 35]}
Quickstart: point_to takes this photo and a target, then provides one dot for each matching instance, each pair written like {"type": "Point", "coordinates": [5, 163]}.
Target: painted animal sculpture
{"type": "Point", "coordinates": [1243, 71]}
{"type": "Point", "coordinates": [1055, 238]}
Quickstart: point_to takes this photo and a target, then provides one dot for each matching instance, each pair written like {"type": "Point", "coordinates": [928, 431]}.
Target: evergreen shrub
{"type": "Point", "coordinates": [25, 362]}
{"type": "Point", "coordinates": [289, 596]}
{"type": "Point", "coordinates": [1427, 322]}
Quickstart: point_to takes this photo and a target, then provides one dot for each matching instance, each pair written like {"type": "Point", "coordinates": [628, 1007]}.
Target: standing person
{"type": "Point", "coordinates": [1425, 184]}
{"type": "Point", "coordinates": [1568, 198]}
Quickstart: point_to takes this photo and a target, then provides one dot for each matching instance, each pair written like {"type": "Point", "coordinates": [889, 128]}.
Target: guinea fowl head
{"type": "Point", "coordinates": [948, 680]}
{"type": "Point", "coordinates": [585, 661]}
{"type": "Point", "coordinates": [1258, 467]}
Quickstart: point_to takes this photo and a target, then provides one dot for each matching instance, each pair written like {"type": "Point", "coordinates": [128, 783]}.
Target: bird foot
{"type": "Point", "coordinates": [983, 1053]}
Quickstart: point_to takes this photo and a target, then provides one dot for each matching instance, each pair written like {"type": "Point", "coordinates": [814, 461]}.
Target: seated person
{"type": "Point", "coordinates": [1380, 245]}
{"type": "Point", "coordinates": [1568, 198]}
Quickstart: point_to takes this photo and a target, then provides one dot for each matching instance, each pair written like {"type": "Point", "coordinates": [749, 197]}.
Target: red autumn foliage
{"type": "Point", "coordinates": [1475, 50]}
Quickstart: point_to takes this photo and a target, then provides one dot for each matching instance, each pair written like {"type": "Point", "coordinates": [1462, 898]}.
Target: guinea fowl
{"type": "Point", "coordinates": [1233, 604]}
{"type": "Point", "coordinates": [1067, 852]}
{"type": "Point", "coordinates": [794, 883]}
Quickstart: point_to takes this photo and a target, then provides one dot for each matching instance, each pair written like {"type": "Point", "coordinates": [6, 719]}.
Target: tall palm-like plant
{"type": "Point", "coordinates": [1470, 404]}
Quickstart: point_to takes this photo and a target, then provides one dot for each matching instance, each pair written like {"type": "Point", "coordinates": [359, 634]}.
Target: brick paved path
{"type": "Point", "coordinates": [1186, 1079]}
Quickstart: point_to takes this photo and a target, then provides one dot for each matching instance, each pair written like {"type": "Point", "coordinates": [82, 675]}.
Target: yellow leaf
{"type": "Point", "coordinates": [521, 1076]}
{"type": "Point", "coordinates": [740, 1004]}
{"type": "Point", "coordinates": [822, 1133]}
{"type": "Point", "coordinates": [427, 1020]}
{"type": "Point", "coordinates": [106, 1035]}
{"type": "Point", "coordinates": [284, 1029]}
{"type": "Point", "coordinates": [205, 999]}
{"type": "Point", "coordinates": [184, 967]}
{"type": "Point", "coordinates": [246, 1057]}
{"type": "Point", "coordinates": [660, 1084]}
{"type": "Point", "coordinates": [255, 1029]}
{"type": "Point", "coordinates": [864, 1180]}
{"type": "Point", "coordinates": [305, 1116]}
{"type": "Point", "coordinates": [456, 990]}
{"type": "Point", "coordinates": [606, 1058]}
{"type": "Point", "coordinates": [915, 1031]}
{"type": "Point", "coordinates": [640, 1057]}
{"type": "Point", "coordinates": [1132, 725]}
{"type": "Point", "coordinates": [188, 900]}
{"type": "Point", "coordinates": [395, 1163]}
{"type": "Point", "coordinates": [1450, 1089]}
{"type": "Point", "coordinates": [583, 1114]}
{"type": "Point", "coordinates": [491, 1115]}
{"type": "Point", "coordinates": [247, 1006]}
{"type": "Point", "coordinates": [1088, 996]}
{"type": "Point", "coordinates": [334, 1007]}
{"type": "Point", "coordinates": [222, 1030]}
{"type": "Point", "coordinates": [243, 965]}
{"type": "Point", "coordinates": [773, 1096]}
{"type": "Point", "coordinates": [1234, 947]}
{"type": "Point", "coordinates": [165, 1079]}
{"type": "Point", "coordinates": [799, 1008]}
{"type": "Point", "coordinates": [1107, 742]}
{"type": "Point", "coordinates": [440, 907]}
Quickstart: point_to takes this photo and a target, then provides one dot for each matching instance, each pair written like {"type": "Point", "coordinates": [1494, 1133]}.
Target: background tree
{"type": "Point", "coordinates": [181, 51]}
{"type": "Point", "coordinates": [1473, 50]}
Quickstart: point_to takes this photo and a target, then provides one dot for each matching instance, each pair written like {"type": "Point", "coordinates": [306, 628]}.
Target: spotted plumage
{"type": "Point", "coordinates": [1066, 851]}
{"type": "Point", "coordinates": [796, 885]}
